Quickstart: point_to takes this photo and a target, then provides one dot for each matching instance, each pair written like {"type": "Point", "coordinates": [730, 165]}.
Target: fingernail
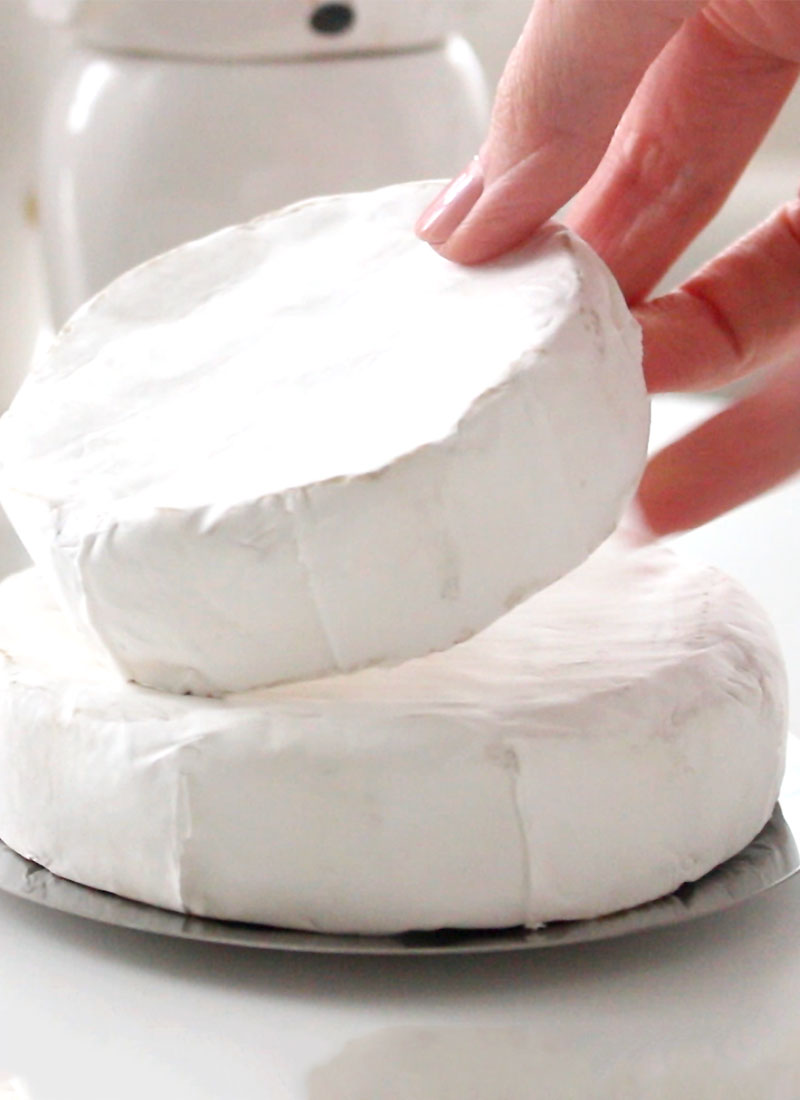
{"type": "Point", "coordinates": [445, 214]}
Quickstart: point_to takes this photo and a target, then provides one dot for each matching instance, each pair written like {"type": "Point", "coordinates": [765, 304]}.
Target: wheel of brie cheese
{"type": "Point", "coordinates": [609, 739]}
{"type": "Point", "coordinates": [310, 444]}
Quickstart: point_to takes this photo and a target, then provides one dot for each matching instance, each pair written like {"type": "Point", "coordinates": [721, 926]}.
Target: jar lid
{"type": "Point", "coordinates": [227, 29]}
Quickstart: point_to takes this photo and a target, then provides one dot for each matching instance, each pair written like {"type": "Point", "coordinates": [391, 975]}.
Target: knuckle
{"type": "Point", "coordinates": [649, 164]}
{"type": "Point", "coordinates": [739, 339]}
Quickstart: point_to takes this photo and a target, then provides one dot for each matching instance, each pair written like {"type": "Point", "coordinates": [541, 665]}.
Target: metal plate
{"type": "Point", "coordinates": [771, 858]}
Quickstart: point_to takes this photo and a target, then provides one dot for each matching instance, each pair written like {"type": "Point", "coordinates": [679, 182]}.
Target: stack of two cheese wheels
{"type": "Point", "coordinates": [295, 649]}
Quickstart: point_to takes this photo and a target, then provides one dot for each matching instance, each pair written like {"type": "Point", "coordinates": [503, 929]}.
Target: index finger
{"type": "Point", "coordinates": [564, 89]}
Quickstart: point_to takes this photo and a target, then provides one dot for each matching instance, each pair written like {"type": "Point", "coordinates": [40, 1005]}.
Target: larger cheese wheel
{"type": "Point", "coordinates": [611, 738]}
{"type": "Point", "coordinates": [311, 444]}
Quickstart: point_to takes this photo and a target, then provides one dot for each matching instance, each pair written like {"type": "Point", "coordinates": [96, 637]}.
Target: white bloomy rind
{"type": "Point", "coordinates": [311, 444]}
{"type": "Point", "coordinates": [615, 736]}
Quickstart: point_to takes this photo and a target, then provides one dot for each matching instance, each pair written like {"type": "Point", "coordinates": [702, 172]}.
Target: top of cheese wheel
{"type": "Point", "coordinates": [310, 443]}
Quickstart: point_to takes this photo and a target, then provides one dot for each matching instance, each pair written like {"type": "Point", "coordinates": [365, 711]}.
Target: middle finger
{"type": "Point", "coordinates": [690, 130]}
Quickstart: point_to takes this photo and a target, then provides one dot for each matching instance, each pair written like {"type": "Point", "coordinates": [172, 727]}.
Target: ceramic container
{"type": "Point", "coordinates": [163, 129]}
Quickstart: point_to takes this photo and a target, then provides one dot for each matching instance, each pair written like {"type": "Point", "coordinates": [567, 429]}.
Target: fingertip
{"type": "Point", "coordinates": [672, 493]}
{"type": "Point", "coordinates": [472, 220]}
{"type": "Point", "coordinates": [660, 511]}
{"type": "Point", "coordinates": [442, 217]}
{"type": "Point", "coordinates": [471, 248]}
{"type": "Point", "coordinates": [496, 226]}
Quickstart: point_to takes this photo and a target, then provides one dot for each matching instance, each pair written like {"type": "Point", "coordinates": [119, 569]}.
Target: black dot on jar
{"type": "Point", "coordinates": [332, 18]}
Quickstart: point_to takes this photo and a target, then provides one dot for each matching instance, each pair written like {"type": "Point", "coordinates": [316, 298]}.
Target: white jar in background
{"type": "Point", "coordinates": [25, 62]}
{"type": "Point", "coordinates": [171, 120]}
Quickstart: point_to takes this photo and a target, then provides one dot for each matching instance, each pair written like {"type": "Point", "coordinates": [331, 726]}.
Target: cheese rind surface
{"type": "Point", "coordinates": [311, 444]}
{"type": "Point", "coordinates": [612, 737]}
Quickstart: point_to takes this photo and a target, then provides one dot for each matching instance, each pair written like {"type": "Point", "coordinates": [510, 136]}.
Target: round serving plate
{"type": "Point", "coordinates": [768, 860]}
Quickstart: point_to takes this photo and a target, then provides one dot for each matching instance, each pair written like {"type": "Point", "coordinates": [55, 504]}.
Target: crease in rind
{"type": "Point", "coordinates": [513, 767]}
{"type": "Point", "coordinates": [182, 830]}
{"type": "Point", "coordinates": [537, 412]}
{"type": "Point", "coordinates": [85, 601]}
{"type": "Point", "coordinates": [450, 570]}
{"type": "Point", "coordinates": [303, 560]}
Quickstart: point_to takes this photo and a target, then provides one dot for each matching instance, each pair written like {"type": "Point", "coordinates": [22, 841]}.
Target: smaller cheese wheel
{"type": "Point", "coordinates": [311, 444]}
{"type": "Point", "coordinates": [611, 738]}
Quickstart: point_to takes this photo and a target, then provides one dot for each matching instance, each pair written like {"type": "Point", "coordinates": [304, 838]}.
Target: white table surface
{"type": "Point", "coordinates": [706, 1011]}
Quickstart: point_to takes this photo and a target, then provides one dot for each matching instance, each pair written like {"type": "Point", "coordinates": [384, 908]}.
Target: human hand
{"type": "Point", "coordinates": [650, 110]}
